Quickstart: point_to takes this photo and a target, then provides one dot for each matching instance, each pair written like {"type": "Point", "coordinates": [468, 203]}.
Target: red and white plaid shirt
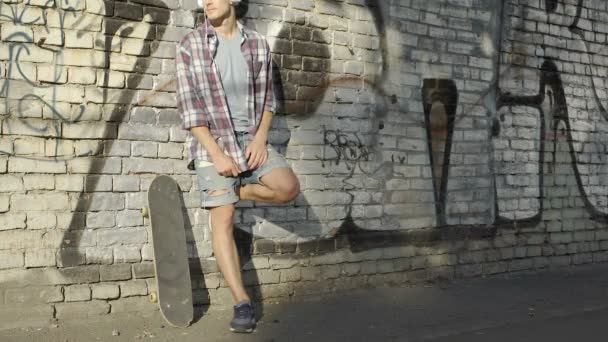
{"type": "Point", "coordinates": [201, 100]}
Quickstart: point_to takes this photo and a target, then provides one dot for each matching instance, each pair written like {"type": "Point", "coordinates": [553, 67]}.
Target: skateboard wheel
{"type": "Point", "coordinates": [153, 297]}
{"type": "Point", "coordinates": [145, 212]}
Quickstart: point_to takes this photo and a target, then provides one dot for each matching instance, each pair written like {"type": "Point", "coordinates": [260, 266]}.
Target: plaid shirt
{"type": "Point", "coordinates": [201, 100]}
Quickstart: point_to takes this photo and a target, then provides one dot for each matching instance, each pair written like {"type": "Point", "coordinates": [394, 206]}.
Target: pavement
{"type": "Point", "coordinates": [566, 304]}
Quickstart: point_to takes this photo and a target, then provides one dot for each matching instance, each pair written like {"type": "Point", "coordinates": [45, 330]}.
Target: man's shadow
{"type": "Point", "coordinates": [198, 266]}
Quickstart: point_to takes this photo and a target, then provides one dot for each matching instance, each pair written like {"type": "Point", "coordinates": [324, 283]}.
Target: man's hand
{"type": "Point", "coordinates": [225, 165]}
{"type": "Point", "coordinates": [256, 153]}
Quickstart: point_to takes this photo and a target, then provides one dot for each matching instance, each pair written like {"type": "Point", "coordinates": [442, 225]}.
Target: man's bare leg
{"type": "Point", "coordinates": [279, 186]}
{"type": "Point", "coordinates": [226, 253]}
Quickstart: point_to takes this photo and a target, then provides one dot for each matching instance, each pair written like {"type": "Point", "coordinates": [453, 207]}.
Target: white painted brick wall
{"type": "Point", "coordinates": [73, 182]}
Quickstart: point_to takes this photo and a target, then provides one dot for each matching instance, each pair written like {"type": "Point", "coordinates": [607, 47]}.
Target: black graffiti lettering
{"type": "Point", "coordinates": [348, 148]}
{"type": "Point", "coordinates": [552, 91]}
{"type": "Point", "coordinates": [440, 129]}
{"type": "Point", "coordinates": [551, 5]}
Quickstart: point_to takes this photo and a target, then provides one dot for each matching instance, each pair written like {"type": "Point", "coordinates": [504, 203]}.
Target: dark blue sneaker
{"type": "Point", "coordinates": [244, 318]}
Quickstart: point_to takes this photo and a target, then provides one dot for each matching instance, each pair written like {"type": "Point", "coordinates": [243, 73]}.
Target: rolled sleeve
{"type": "Point", "coordinates": [190, 103]}
{"type": "Point", "coordinates": [269, 101]}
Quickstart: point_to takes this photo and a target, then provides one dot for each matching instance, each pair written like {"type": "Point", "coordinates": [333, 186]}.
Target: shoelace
{"type": "Point", "coordinates": [243, 311]}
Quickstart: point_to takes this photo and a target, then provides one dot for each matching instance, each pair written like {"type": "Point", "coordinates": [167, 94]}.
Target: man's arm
{"type": "Point", "coordinates": [190, 106]}
{"type": "Point", "coordinates": [264, 128]}
{"type": "Point", "coordinates": [256, 152]}
{"type": "Point", "coordinates": [224, 165]}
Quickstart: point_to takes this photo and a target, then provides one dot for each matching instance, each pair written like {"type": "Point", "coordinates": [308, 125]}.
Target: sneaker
{"type": "Point", "coordinates": [244, 318]}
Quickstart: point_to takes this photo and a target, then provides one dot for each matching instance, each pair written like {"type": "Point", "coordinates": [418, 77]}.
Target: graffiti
{"type": "Point", "coordinates": [591, 204]}
{"type": "Point", "coordinates": [309, 82]}
{"type": "Point", "coordinates": [346, 148]}
{"type": "Point", "coordinates": [368, 156]}
{"type": "Point", "coordinates": [302, 84]}
{"type": "Point", "coordinates": [548, 76]}
{"type": "Point", "coordinates": [576, 30]}
{"type": "Point", "coordinates": [350, 150]}
{"type": "Point", "coordinates": [440, 128]}
{"type": "Point", "coordinates": [542, 118]}
{"type": "Point", "coordinates": [550, 107]}
{"type": "Point", "coordinates": [22, 92]}
{"type": "Point", "coordinates": [551, 5]}
{"type": "Point", "coordinates": [305, 89]}
{"type": "Point", "coordinates": [357, 88]}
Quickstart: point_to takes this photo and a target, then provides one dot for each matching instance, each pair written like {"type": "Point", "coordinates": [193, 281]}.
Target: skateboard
{"type": "Point", "coordinates": [170, 256]}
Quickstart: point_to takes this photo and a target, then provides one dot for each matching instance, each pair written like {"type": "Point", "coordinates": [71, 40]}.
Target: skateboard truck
{"type": "Point", "coordinates": [153, 297]}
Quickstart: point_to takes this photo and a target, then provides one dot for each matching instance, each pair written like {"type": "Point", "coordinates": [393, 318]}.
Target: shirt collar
{"type": "Point", "coordinates": [211, 32]}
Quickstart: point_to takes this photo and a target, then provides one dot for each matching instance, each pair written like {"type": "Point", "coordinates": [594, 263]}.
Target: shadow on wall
{"type": "Point", "coordinates": [302, 87]}
{"type": "Point", "coordinates": [306, 94]}
{"type": "Point", "coordinates": [308, 98]}
{"type": "Point", "coordinates": [29, 99]}
{"type": "Point", "coordinates": [121, 104]}
{"type": "Point", "coordinates": [303, 98]}
{"type": "Point", "coordinates": [306, 90]}
{"type": "Point", "coordinates": [118, 103]}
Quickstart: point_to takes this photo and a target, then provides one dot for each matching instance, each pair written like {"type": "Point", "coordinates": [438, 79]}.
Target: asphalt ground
{"type": "Point", "coordinates": [567, 304]}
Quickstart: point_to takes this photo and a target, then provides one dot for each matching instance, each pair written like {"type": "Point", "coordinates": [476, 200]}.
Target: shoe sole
{"type": "Point", "coordinates": [248, 330]}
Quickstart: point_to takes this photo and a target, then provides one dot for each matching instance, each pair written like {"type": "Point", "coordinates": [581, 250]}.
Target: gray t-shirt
{"type": "Point", "coordinates": [233, 71]}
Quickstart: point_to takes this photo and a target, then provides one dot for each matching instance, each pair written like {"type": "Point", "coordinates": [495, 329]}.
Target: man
{"type": "Point", "coordinates": [225, 98]}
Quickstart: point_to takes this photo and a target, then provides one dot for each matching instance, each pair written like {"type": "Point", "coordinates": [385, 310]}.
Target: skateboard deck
{"type": "Point", "coordinates": [170, 255]}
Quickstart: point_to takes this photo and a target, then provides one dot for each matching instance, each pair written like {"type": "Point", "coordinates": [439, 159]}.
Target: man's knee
{"type": "Point", "coordinates": [289, 191]}
{"type": "Point", "coordinates": [222, 216]}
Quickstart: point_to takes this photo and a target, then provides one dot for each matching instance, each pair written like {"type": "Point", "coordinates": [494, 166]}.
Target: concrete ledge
{"type": "Point", "coordinates": [25, 316]}
{"type": "Point", "coordinates": [82, 309]}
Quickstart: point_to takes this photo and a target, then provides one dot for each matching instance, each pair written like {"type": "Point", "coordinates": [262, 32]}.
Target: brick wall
{"type": "Point", "coordinates": [436, 138]}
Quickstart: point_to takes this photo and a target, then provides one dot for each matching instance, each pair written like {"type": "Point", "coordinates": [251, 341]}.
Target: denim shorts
{"type": "Point", "coordinates": [209, 180]}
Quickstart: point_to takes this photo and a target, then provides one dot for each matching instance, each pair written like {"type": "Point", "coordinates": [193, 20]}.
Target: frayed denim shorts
{"type": "Point", "coordinates": [209, 180]}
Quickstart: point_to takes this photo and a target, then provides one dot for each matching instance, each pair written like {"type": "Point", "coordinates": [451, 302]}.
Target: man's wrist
{"type": "Point", "coordinates": [261, 136]}
{"type": "Point", "coordinates": [216, 154]}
